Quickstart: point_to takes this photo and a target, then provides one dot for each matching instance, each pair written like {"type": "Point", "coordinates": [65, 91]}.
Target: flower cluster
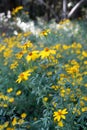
{"type": "Point", "coordinates": [43, 82]}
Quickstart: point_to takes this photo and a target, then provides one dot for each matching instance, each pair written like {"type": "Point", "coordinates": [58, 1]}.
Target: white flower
{"type": "Point", "coordinates": [15, 32]}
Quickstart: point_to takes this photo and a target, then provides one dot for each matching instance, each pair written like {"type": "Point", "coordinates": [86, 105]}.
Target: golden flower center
{"type": "Point", "coordinates": [60, 113]}
{"type": "Point", "coordinates": [22, 75]}
{"type": "Point", "coordinates": [46, 49]}
{"type": "Point", "coordinates": [21, 53]}
{"type": "Point", "coordinates": [30, 53]}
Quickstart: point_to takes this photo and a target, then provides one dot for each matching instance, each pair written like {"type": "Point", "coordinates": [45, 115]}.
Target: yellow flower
{"type": "Point", "coordinates": [32, 56]}
{"type": "Point", "coordinates": [65, 47]}
{"type": "Point", "coordinates": [84, 109]}
{"type": "Point", "coordinates": [6, 124]}
{"type": "Point", "coordinates": [17, 9]}
{"type": "Point", "coordinates": [73, 70]}
{"type": "Point", "coordinates": [20, 121]}
{"type": "Point", "coordinates": [2, 47]}
{"type": "Point", "coordinates": [74, 45]}
{"type": "Point", "coordinates": [85, 85]}
{"type": "Point", "coordinates": [54, 104]}
{"type": "Point", "coordinates": [24, 76]}
{"type": "Point", "coordinates": [20, 54]}
{"type": "Point", "coordinates": [55, 87]}
{"type": "Point", "coordinates": [85, 62]}
{"type": "Point", "coordinates": [45, 99]}
{"type": "Point", "coordinates": [7, 53]}
{"type": "Point", "coordinates": [1, 127]}
{"type": "Point", "coordinates": [84, 98]}
{"type": "Point", "coordinates": [9, 90]}
{"type": "Point", "coordinates": [5, 105]}
{"type": "Point", "coordinates": [82, 103]}
{"type": "Point", "coordinates": [14, 122]}
{"type": "Point", "coordinates": [49, 73]}
{"type": "Point", "coordinates": [14, 65]}
{"type": "Point", "coordinates": [18, 92]}
{"type": "Point", "coordinates": [60, 114]}
{"type": "Point", "coordinates": [11, 100]}
{"type": "Point", "coordinates": [23, 115]}
{"type": "Point", "coordinates": [10, 128]}
{"type": "Point", "coordinates": [79, 45]}
{"type": "Point", "coordinates": [84, 53]}
{"type": "Point", "coordinates": [46, 53]}
{"type": "Point", "coordinates": [64, 21]}
{"type": "Point", "coordinates": [68, 90]}
{"type": "Point", "coordinates": [28, 44]}
{"type": "Point", "coordinates": [35, 118]}
{"type": "Point", "coordinates": [62, 92]}
{"type": "Point", "coordinates": [3, 34]}
{"type": "Point", "coordinates": [45, 32]}
{"type": "Point", "coordinates": [60, 123]}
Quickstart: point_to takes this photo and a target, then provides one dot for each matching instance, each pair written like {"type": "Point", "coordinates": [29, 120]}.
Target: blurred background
{"type": "Point", "coordinates": [39, 11]}
{"type": "Point", "coordinates": [47, 9]}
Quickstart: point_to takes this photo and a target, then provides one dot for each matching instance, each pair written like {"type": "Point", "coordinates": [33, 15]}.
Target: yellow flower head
{"type": "Point", "coordinates": [27, 45]}
{"type": "Point", "coordinates": [11, 100]}
{"type": "Point", "coordinates": [84, 109]}
{"type": "Point", "coordinates": [20, 54]}
{"type": "Point", "coordinates": [84, 53]}
{"type": "Point", "coordinates": [32, 56]}
{"type": "Point", "coordinates": [17, 9]}
{"type": "Point", "coordinates": [20, 121]}
{"type": "Point", "coordinates": [23, 115]}
{"type": "Point", "coordinates": [9, 90]}
{"type": "Point", "coordinates": [46, 53]}
{"type": "Point", "coordinates": [14, 65]}
{"type": "Point", "coordinates": [18, 92]}
{"type": "Point", "coordinates": [60, 123]}
{"type": "Point", "coordinates": [9, 128]}
{"type": "Point", "coordinates": [24, 76]}
{"type": "Point", "coordinates": [45, 99]}
{"type": "Point", "coordinates": [45, 32]}
{"type": "Point", "coordinates": [73, 70]}
{"type": "Point", "coordinates": [14, 122]}
{"type": "Point", "coordinates": [60, 114]}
